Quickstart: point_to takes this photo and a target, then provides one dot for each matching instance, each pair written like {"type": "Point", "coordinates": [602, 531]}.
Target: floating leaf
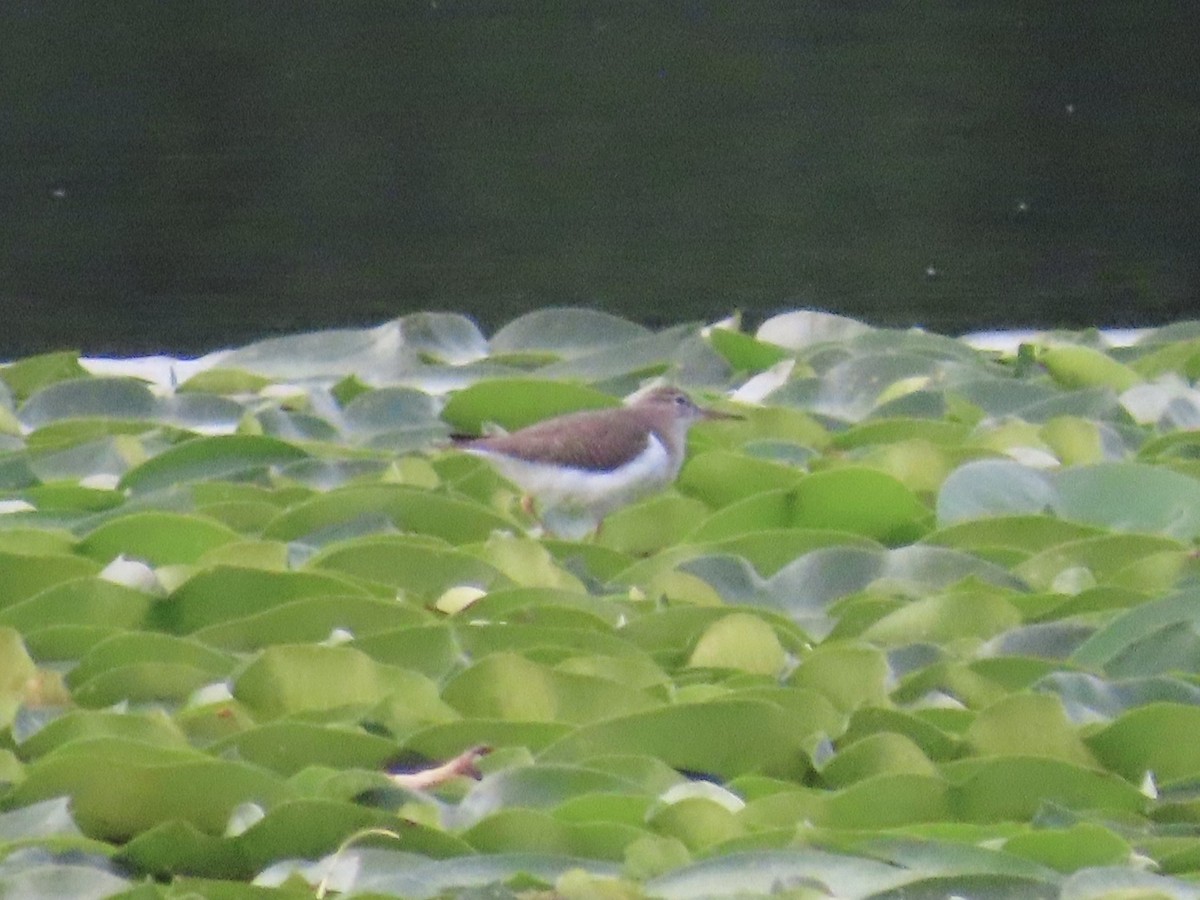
{"type": "Point", "coordinates": [25, 376]}
{"type": "Point", "coordinates": [222, 456]}
{"type": "Point", "coordinates": [454, 519]}
{"type": "Point", "coordinates": [993, 487]}
{"type": "Point", "coordinates": [82, 398]}
{"type": "Point", "coordinates": [1076, 367]}
{"type": "Point", "coordinates": [226, 593]}
{"type": "Point", "coordinates": [744, 352]}
{"type": "Point", "coordinates": [858, 500]}
{"type": "Point", "coordinates": [285, 679]}
{"type": "Point", "coordinates": [739, 641]}
{"type": "Point", "coordinates": [1131, 497]}
{"type": "Point", "coordinates": [160, 538]}
{"type": "Point", "coordinates": [114, 797]}
{"type": "Point", "coordinates": [515, 403]}
{"type": "Point", "coordinates": [416, 566]}
{"type": "Point", "coordinates": [507, 686]}
{"type": "Point", "coordinates": [694, 737]}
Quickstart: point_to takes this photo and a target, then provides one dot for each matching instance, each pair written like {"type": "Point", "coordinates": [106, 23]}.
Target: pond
{"type": "Point", "coordinates": [186, 176]}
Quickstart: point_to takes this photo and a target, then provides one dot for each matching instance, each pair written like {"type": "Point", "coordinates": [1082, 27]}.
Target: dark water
{"type": "Point", "coordinates": [183, 176]}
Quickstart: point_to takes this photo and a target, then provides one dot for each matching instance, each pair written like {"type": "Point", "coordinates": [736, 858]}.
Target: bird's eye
{"type": "Point", "coordinates": [681, 400]}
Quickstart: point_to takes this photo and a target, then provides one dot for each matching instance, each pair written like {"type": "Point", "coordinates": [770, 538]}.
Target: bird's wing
{"type": "Point", "coordinates": [594, 441]}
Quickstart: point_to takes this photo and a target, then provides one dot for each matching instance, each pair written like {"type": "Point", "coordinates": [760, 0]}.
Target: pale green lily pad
{"type": "Point", "coordinates": [989, 488]}
{"type": "Point", "coordinates": [1136, 626]}
{"type": "Point", "coordinates": [26, 574]}
{"type": "Point", "coordinates": [745, 353]}
{"type": "Point", "coordinates": [1031, 725]}
{"type": "Point", "coordinates": [651, 525]}
{"type": "Point", "coordinates": [417, 567]}
{"type": "Point", "coordinates": [694, 737]}
{"type": "Point", "coordinates": [159, 538]}
{"type": "Point", "coordinates": [16, 671]}
{"type": "Point", "coordinates": [508, 686]}
{"type": "Point", "coordinates": [224, 381]}
{"type": "Point", "coordinates": [1025, 533]}
{"type": "Point", "coordinates": [761, 873]}
{"type": "Point", "coordinates": [876, 754]}
{"type": "Point", "coordinates": [37, 541]}
{"type": "Point", "coordinates": [1079, 367]}
{"type": "Point", "coordinates": [697, 822]}
{"type": "Point", "coordinates": [564, 331]}
{"type": "Point", "coordinates": [849, 675]}
{"type": "Point", "coordinates": [517, 830]}
{"type": "Point", "coordinates": [1159, 738]}
{"type": "Point", "coordinates": [858, 500]}
{"type": "Point", "coordinates": [288, 679]}
{"type": "Point", "coordinates": [134, 647]}
{"type": "Point", "coordinates": [44, 876]}
{"type": "Point", "coordinates": [168, 683]}
{"type": "Point", "coordinates": [527, 604]}
{"type": "Point", "coordinates": [115, 797]}
{"type": "Point", "coordinates": [446, 739]}
{"type": "Point", "coordinates": [77, 725]}
{"type": "Point", "coordinates": [72, 496]}
{"type": "Point", "coordinates": [936, 744]}
{"type": "Point", "coordinates": [721, 477]}
{"type": "Point", "coordinates": [946, 617]}
{"type": "Point", "coordinates": [1014, 788]}
{"type": "Point", "coordinates": [515, 403]}
{"type": "Point", "coordinates": [117, 398]}
{"type": "Point", "coordinates": [288, 747]}
{"type": "Point", "coordinates": [220, 457]}
{"type": "Point", "coordinates": [84, 601]}
{"type": "Point", "coordinates": [534, 787]}
{"type": "Point", "coordinates": [1131, 497]}
{"type": "Point", "coordinates": [625, 367]}
{"type": "Point", "coordinates": [806, 589]}
{"type": "Point", "coordinates": [329, 353]}
{"type": "Point", "coordinates": [886, 801]}
{"type": "Point", "coordinates": [1105, 558]}
{"type": "Point", "coordinates": [386, 409]}
{"type": "Point", "coordinates": [454, 519]}
{"type": "Point", "coordinates": [26, 376]}
{"type": "Point", "coordinates": [740, 641]}
{"type": "Point", "coordinates": [431, 649]}
{"type": "Point", "coordinates": [803, 328]}
{"type": "Point", "coordinates": [226, 593]}
{"type": "Point", "coordinates": [313, 619]}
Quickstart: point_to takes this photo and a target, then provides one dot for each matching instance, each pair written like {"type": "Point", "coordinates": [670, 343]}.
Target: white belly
{"type": "Point", "coordinates": [598, 493]}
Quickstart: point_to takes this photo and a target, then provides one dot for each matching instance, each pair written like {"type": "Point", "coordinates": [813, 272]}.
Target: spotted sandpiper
{"type": "Point", "coordinates": [581, 466]}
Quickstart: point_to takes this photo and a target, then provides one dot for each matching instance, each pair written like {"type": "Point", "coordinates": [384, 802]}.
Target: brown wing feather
{"type": "Point", "coordinates": [597, 440]}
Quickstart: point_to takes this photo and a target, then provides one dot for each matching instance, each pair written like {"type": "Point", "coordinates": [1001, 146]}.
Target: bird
{"type": "Point", "coordinates": [582, 466]}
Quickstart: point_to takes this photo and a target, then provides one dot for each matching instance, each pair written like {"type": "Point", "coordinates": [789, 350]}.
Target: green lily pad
{"type": "Point", "coordinates": [204, 458]}
{"type": "Point", "coordinates": [418, 567]}
{"type": "Point", "coordinates": [159, 538]}
{"type": "Point", "coordinates": [857, 500]}
{"type": "Point", "coordinates": [508, 686]}
{"type": "Point", "coordinates": [1014, 788]}
{"type": "Point", "coordinates": [289, 679]}
{"type": "Point", "coordinates": [25, 376]}
{"type": "Point", "coordinates": [695, 737]}
{"type": "Point", "coordinates": [225, 593]}
{"type": "Point", "coordinates": [114, 797]}
{"type": "Point", "coordinates": [516, 403]}
{"type": "Point", "coordinates": [454, 519]}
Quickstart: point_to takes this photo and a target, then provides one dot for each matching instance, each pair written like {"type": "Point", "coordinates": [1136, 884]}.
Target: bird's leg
{"type": "Point", "coordinates": [527, 506]}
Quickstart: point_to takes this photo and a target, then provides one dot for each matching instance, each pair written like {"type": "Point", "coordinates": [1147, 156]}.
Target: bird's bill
{"type": "Point", "coordinates": [716, 414]}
